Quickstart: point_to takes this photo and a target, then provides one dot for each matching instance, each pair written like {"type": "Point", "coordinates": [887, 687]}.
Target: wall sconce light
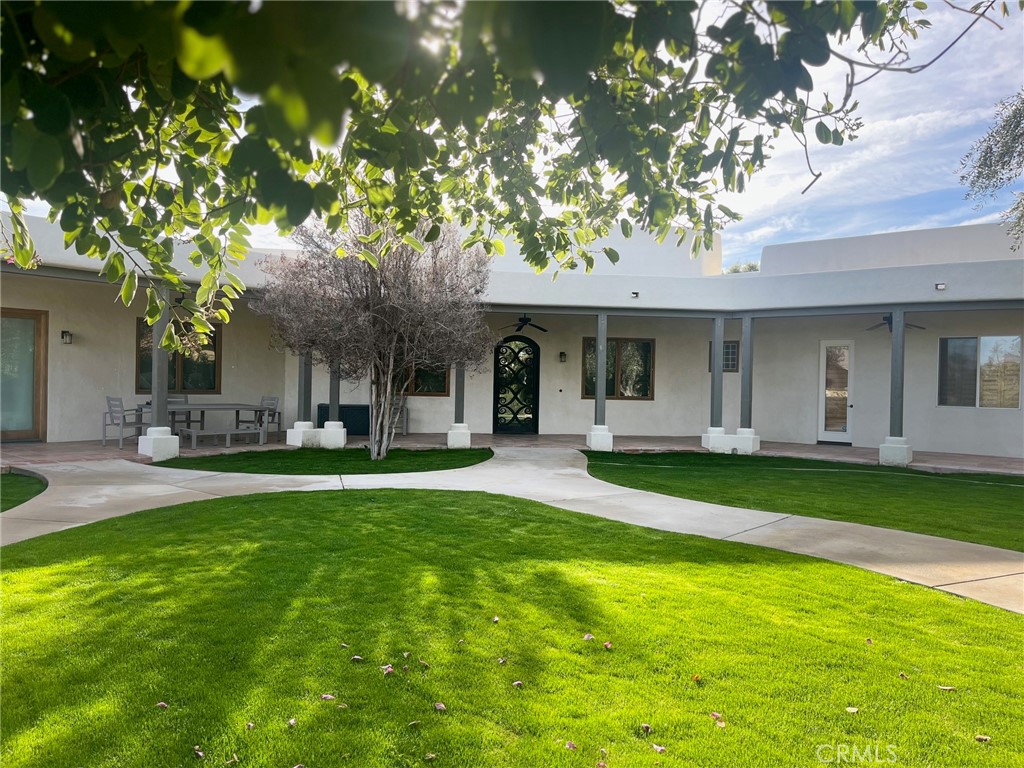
{"type": "Point", "coordinates": [940, 286]}
{"type": "Point", "coordinates": [65, 337]}
{"type": "Point", "coordinates": [635, 294]}
{"type": "Point", "coordinates": [561, 357]}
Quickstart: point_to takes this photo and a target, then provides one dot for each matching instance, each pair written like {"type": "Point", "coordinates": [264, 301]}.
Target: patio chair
{"type": "Point", "coordinates": [184, 416]}
{"type": "Point", "coordinates": [117, 416]}
{"type": "Point", "coordinates": [270, 402]}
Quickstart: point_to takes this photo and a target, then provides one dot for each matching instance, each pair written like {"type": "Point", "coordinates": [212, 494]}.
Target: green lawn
{"type": "Point", "coordinates": [986, 509]}
{"type": "Point", "coordinates": [17, 489]}
{"type": "Point", "coordinates": [320, 461]}
{"type": "Point", "coordinates": [249, 609]}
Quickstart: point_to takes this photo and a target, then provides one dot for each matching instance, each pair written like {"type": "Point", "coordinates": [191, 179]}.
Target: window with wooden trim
{"type": "Point", "coordinates": [429, 382]}
{"type": "Point", "coordinates": [730, 356]}
{"type": "Point", "coordinates": [185, 375]}
{"type": "Point", "coordinates": [629, 369]}
{"type": "Point", "coordinates": [980, 371]}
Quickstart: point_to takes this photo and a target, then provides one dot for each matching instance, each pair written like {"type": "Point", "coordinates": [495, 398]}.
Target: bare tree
{"type": "Point", "coordinates": [405, 304]}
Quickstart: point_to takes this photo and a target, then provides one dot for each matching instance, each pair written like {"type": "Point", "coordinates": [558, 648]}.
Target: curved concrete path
{"type": "Point", "coordinates": [87, 491]}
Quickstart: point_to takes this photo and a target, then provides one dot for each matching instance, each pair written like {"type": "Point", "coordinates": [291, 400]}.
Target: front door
{"type": "Point", "coordinates": [516, 386]}
{"type": "Point", "coordinates": [835, 392]}
{"type": "Point", "coordinates": [22, 374]}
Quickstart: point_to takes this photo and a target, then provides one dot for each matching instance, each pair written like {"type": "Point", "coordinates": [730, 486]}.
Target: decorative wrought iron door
{"type": "Point", "coordinates": [516, 385]}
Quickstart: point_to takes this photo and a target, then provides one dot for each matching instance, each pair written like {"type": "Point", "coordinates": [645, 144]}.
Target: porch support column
{"type": "Point", "coordinates": [158, 442]}
{"type": "Point", "coordinates": [717, 349]}
{"type": "Point", "coordinates": [896, 450]}
{"type": "Point", "coordinates": [304, 433]}
{"type": "Point", "coordinates": [746, 372]}
{"type": "Point", "coordinates": [334, 395]}
{"type": "Point", "coordinates": [599, 438]}
{"type": "Point", "coordinates": [459, 435]}
{"type": "Point", "coordinates": [745, 441]}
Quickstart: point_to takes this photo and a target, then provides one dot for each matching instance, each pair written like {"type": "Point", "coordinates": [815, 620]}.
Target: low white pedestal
{"type": "Point", "coordinates": [159, 443]}
{"type": "Point", "coordinates": [333, 435]}
{"type": "Point", "coordinates": [895, 452]}
{"type": "Point", "coordinates": [599, 438]}
{"type": "Point", "coordinates": [744, 442]}
{"type": "Point", "coordinates": [304, 435]}
{"type": "Point", "coordinates": [459, 436]}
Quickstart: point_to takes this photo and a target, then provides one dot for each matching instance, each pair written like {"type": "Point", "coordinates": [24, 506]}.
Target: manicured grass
{"type": "Point", "coordinates": [318, 461]}
{"type": "Point", "coordinates": [17, 489]}
{"type": "Point", "coordinates": [986, 509]}
{"type": "Point", "coordinates": [249, 609]}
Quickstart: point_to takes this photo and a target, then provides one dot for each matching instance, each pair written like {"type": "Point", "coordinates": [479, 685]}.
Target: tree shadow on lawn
{"type": "Point", "coordinates": [238, 609]}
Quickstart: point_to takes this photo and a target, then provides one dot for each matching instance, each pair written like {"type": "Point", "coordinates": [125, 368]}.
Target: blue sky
{"type": "Point", "coordinates": [903, 170]}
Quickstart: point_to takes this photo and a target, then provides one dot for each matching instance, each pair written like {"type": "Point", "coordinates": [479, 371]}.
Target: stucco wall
{"type": "Point", "coordinates": [101, 361]}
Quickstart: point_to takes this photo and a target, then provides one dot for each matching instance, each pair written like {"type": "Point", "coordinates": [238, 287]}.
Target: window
{"type": "Point", "coordinates": [730, 356]}
{"type": "Point", "coordinates": [429, 381]}
{"type": "Point", "coordinates": [980, 371]}
{"type": "Point", "coordinates": [184, 375]}
{"type": "Point", "coordinates": [630, 369]}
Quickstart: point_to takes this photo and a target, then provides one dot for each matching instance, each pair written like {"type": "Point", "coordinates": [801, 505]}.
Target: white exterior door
{"type": "Point", "coordinates": [835, 392]}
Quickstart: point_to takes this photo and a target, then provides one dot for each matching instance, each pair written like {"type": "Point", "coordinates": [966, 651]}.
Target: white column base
{"type": "Point", "coordinates": [599, 438]}
{"type": "Point", "coordinates": [159, 443]}
{"type": "Point", "coordinates": [743, 443]}
{"type": "Point", "coordinates": [895, 452]}
{"type": "Point", "coordinates": [333, 435]}
{"type": "Point", "coordinates": [304, 435]}
{"type": "Point", "coordinates": [459, 436]}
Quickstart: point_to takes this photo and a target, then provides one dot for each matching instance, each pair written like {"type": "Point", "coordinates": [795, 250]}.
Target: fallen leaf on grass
{"type": "Point", "coordinates": [868, 641]}
{"type": "Point", "coordinates": [440, 707]}
{"type": "Point", "coordinates": [698, 679]}
{"type": "Point", "coordinates": [645, 728]}
{"type": "Point", "coordinates": [326, 697]}
{"type": "Point", "coordinates": [658, 748]}
{"type": "Point", "coordinates": [387, 669]}
{"type": "Point", "coordinates": [162, 704]}
{"type": "Point", "coordinates": [291, 723]}
{"type": "Point", "coordinates": [716, 716]}
{"type": "Point", "coordinates": [517, 684]}
{"type": "Point", "coordinates": [720, 723]}
{"type": "Point", "coordinates": [429, 756]}
{"type": "Point", "coordinates": [983, 739]}
{"type": "Point", "coordinates": [853, 710]}
{"type": "Point", "coordinates": [570, 745]}
{"type": "Point", "coordinates": [250, 725]}
{"type": "Point", "coordinates": [608, 645]}
{"type": "Point", "coordinates": [344, 645]}
{"type": "Point", "coordinates": [495, 620]}
{"type": "Point", "coordinates": [233, 760]}
{"type": "Point", "coordinates": [406, 654]}
{"type": "Point", "coordinates": [588, 636]}
{"type": "Point", "coordinates": [357, 658]}
{"type": "Point", "coordinates": [502, 659]}
{"type": "Point", "coordinates": [602, 764]}
{"type": "Point", "coordinates": [343, 706]}
{"type": "Point", "coordinates": [904, 676]}
{"type": "Point", "coordinates": [947, 688]}
{"type": "Point", "coordinates": [414, 723]}
{"type": "Point", "coordinates": [405, 667]}
{"type": "Point", "coordinates": [198, 752]}
{"type": "Point", "coordinates": [427, 666]}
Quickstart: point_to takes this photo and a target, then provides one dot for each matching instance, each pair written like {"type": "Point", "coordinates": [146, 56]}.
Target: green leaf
{"type": "Point", "coordinates": [499, 246]}
{"type": "Point", "coordinates": [823, 133]}
{"type": "Point", "coordinates": [612, 254]}
{"type": "Point", "coordinates": [154, 306]}
{"type": "Point", "coordinates": [433, 233]}
{"type": "Point", "coordinates": [201, 57]}
{"type": "Point", "coordinates": [46, 163]}
{"type": "Point", "coordinates": [413, 243]}
{"type": "Point", "coordinates": [627, 228]}
{"type": "Point", "coordinates": [131, 282]}
{"type": "Point", "coordinates": [234, 281]}
{"type": "Point", "coordinates": [369, 257]}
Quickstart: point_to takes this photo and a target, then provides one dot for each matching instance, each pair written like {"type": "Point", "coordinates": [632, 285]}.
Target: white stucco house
{"type": "Point", "coordinates": [901, 341]}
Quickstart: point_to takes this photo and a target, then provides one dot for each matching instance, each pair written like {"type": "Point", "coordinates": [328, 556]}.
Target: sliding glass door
{"type": "Point", "coordinates": [22, 374]}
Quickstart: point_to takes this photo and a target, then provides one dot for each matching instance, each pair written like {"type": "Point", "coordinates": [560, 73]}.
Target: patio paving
{"type": "Point", "coordinates": [83, 491]}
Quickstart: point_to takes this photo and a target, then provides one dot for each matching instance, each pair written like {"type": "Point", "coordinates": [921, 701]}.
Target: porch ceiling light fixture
{"type": "Point", "coordinates": [940, 286]}
{"type": "Point", "coordinates": [635, 294]}
{"type": "Point", "coordinates": [65, 337]}
{"type": "Point", "coordinates": [561, 357]}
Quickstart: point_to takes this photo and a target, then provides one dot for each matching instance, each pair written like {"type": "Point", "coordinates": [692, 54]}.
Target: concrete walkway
{"type": "Point", "coordinates": [87, 491]}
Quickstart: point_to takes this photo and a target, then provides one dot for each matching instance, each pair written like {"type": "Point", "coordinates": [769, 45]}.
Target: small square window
{"type": "Point", "coordinates": [730, 356]}
{"type": "Point", "coordinates": [429, 381]}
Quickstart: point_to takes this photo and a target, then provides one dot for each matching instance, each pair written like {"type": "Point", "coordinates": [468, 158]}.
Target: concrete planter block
{"type": "Point", "coordinates": [895, 452]}
{"type": "Point", "coordinates": [743, 443]}
{"type": "Point", "coordinates": [304, 435]}
{"type": "Point", "coordinates": [459, 436]}
{"type": "Point", "coordinates": [333, 435]}
{"type": "Point", "coordinates": [159, 443]}
{"type": "Point", "coordinates": [599, 438]}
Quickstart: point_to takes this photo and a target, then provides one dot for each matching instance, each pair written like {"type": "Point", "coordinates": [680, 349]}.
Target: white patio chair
{"type": "Point", "coordinates": [117, 416]}
{"type": "Point", "coordinates": [270, 403]}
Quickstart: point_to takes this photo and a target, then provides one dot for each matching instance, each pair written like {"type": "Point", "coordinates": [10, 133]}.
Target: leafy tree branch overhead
{"type": "Point", "coordinates": [552, 123]}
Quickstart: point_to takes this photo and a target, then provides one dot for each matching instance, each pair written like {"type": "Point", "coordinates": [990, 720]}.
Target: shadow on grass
{"type": "Point", "coordinates": [249, 608]}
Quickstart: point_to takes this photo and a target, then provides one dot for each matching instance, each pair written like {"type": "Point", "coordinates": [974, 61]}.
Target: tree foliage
{"type": "Point", "coordinates": [997, 160]}
{"type": "Point", "coordinates": [380, 317]}
{"type": "Point", "coordinates": [552, 123]}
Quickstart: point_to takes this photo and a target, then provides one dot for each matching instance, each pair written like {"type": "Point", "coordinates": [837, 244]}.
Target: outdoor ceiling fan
{"type": "Point", "coordinates": [887, 322]}
{"type": "Point", "coordinates": [523, 322]}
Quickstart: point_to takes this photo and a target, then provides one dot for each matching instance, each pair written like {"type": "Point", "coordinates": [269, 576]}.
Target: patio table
{"type": "Point", "coordinates": [204, 407]}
